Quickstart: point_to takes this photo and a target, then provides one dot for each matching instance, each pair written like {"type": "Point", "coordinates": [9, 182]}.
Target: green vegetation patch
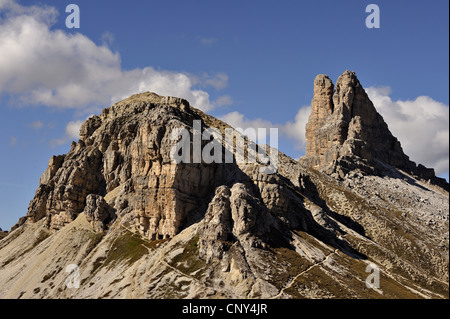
{"type": "Point", "coordinates": [127, 247]}
{"type": "Point", "coordinates": [315, 283]}
{"type": "Point", "coordinates": [188, 261]}
{"type": "Point", "coordinates": [284, 264]}
{"type": "Point", "coordinates": [154, 244]}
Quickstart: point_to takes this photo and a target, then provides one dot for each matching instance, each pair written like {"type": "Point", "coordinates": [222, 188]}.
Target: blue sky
{"type": "Point", "coordinates": [249, 62]}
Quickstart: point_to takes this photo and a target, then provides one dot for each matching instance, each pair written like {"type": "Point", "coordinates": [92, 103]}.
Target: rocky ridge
{"type": "Point", "coordinates": [3, 233]}
{"type": "Point", "coordinates": [139, 225]}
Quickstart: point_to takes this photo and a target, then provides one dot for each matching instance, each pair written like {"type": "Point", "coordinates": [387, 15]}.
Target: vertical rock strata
{"type": "Point", "coordinates": [345, 132]}
{"type": "Point", "coordinates": [123, 156]}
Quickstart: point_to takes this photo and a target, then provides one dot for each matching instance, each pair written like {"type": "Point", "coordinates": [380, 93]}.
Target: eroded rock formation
{"type": "Point", "coordinates": [140, 225]}
{"type": "Point", "coordinates": [98, 212]}
{"type": "Point", "coordinates": [123, 156]}
{"type": "Point", "coordinates": [345, 132]}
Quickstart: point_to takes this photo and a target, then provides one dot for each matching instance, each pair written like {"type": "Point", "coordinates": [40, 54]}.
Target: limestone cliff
{"type": "Point", "coordinates": [345, 132]}
{"type": "Point", "coordinates": [139, 225]}
{"type": "Point", "coordinates": [124, 156]}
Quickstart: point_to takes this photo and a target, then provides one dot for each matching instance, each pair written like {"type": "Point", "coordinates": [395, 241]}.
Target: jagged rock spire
{"type": "Point", "coordinates": [345, 131]}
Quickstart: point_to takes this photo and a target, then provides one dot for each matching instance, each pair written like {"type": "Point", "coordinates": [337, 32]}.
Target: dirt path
{"type": "Point", "coordinates": [289, 285]}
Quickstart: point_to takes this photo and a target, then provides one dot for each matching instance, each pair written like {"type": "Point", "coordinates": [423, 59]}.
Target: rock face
{"type": "Point", "coordinates": [124, 156]}
{"type": "Point", "coordinates": [98, 212]}
{"type": "Point", "coordinates": [140, 225]}
{"type": "Point", "coordinates": [3, 234]}
{"type": "Point", "coordinates": [64, 186]}
{"type": "Point", "coordinates": [345, 132]}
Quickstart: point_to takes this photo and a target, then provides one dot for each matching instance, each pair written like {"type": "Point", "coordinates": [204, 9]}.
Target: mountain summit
{"type": "Point", "coordinates": [345, 132]}
{"type": "Point", "coordinates": [134, 223]}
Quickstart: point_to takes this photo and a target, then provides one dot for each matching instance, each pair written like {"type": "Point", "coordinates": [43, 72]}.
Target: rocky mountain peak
{"type": "Point", "coordinates": [122, 166]}
{"type": "Point", "coordinates": [345, 132]}
{"type": "Point", "coordinates": [140, 225]}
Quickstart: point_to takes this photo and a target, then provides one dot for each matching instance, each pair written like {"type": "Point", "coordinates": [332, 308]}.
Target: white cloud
{"type": "Point", "coordinates": [219, 81]}
{"type": "Point", "coordinates": [237, 119]}
{"type": "Point", "coordinates": [296, 130]}
{"type": "Point", "coordinates": [73, 129]}
{"type": "Point", "coordinates": [54, 142]}
{"type": "Point", "coordinates": [40, 65]}
{"type": "Point", "coordinates": [107, 38]}
{"type": "Point", "coordinates": [72, 132]}
{"type": "Point", "coordinates": [36, 125]}
{"type": "Point", "coordinates": [421, 125]}
{"type": "Point", "coordinates": [223, 100]}
{"type": "Point", "coordinates": [292, 130]}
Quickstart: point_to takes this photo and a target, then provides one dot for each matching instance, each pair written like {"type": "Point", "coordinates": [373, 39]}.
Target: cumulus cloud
{"type": "Point", "coordinates": [421, 125]}
{"type": "Point", "coordinates": [218, 81]}
{"type": "Point", "coordinates": [107, 38]}
{"type": "Point", "coordinates": [239, 121]}
{"type": "Point", "coordinates": [72, 132]}
{"type": "Point", "coordinates": [223, 100]}
{"type": "Point", "coordinates": [40, 65]}
{"type": "Point", "coordinates": [293, 130]}
{"type": "Point", "coordinates": [73, 129]}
